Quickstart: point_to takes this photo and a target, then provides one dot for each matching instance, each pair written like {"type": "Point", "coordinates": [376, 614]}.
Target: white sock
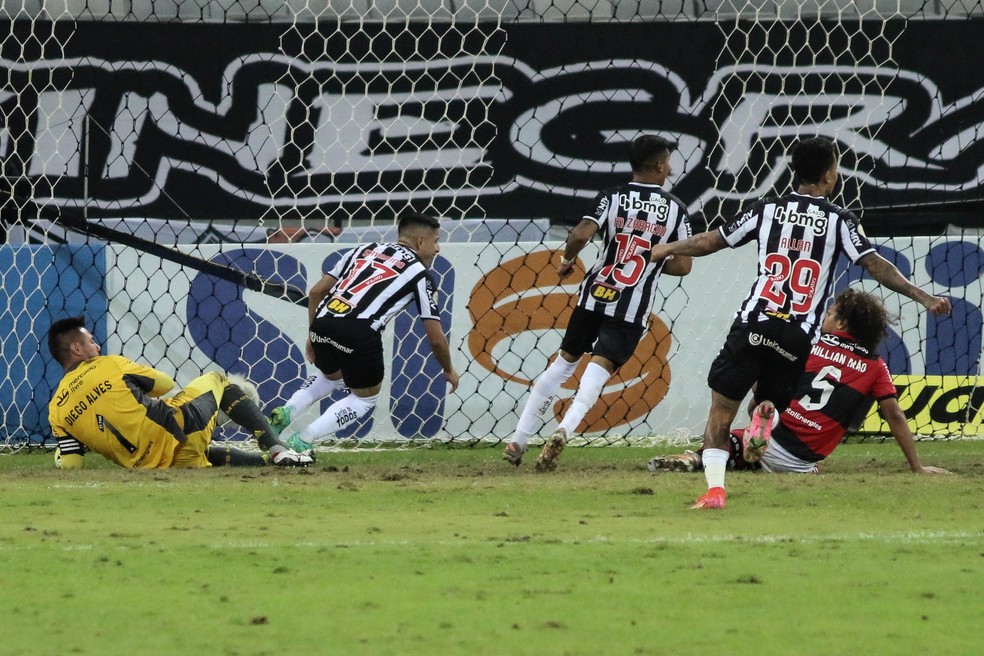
{"type": "Point", "coordinates": [592, 382]}
{"type": "Point", "coordinates": [541, 398]}
{"type": "Point", "coordinates": [715, 464]}
{"type": "Point", "coordinates": [338, 415]}
{"type": "Point", "coordinates": [313, 389]}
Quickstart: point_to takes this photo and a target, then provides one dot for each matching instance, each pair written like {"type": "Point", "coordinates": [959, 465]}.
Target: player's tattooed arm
{"type": "Point", "coordinates": [704, 243]}
{"type": "Point", "coordinates": [888, 275]}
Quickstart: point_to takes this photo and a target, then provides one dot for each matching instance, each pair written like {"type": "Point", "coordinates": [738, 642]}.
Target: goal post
{"type": "Point", "coordinates": [180, 172]}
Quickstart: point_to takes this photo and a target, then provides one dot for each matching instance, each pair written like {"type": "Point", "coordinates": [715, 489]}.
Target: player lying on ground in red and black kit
{"type": "Point", "coordinates": [843, 375]}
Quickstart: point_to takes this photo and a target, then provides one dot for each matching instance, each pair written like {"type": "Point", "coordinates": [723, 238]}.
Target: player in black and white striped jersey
{"type": "Point", "coordinates": [347, 311]}
{"type": "Point", "coordinates": [799, 238]}
{"type": "Point", "coordinates": [616, 297]}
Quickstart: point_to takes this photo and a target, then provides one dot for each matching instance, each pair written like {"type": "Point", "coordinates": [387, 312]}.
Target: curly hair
{"type": "Point", "coordinates": [865, 315]}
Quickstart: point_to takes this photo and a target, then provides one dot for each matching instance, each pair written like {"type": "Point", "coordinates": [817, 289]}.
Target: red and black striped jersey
{"type": "Point", "coordinates": [631, 219]}
{"type": "Point", "coordinates": [375, 281]}
{"type": "Point", "coordinates": [799, 239]}
{"type": "Point", "coordinates": [840, 380]}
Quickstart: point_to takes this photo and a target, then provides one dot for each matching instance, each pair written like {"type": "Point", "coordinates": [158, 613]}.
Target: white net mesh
{"type": "Point", "coordinates": [268, 137]}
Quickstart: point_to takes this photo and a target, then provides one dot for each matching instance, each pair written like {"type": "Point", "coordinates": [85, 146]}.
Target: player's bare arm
{"type": "Point", "coordinates": [442, 351]}
{"type": "Point", "coordinates": [576, 241]}
{"type": "Point", "coordinates": [697, 246]}
{"type": "Point", "coordinates": [317, 294]}
{"type": "Point", "coordinates": [899, 426]}
{"type": "Point", "coordinates": [888, 275]}
{"type": "Point", "coordinates": [679, 265]}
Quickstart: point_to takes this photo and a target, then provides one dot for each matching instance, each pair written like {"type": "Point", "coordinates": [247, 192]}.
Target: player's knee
{"type": "Point", "coordinates": [362, 405]}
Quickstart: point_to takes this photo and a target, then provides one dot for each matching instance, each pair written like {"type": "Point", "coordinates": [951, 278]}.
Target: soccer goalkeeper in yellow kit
{"type": "Point", "coordinates": [112, 405]}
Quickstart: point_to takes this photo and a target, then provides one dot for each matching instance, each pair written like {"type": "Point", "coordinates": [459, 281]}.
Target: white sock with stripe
{"type": "Point", "coordinates": [588, 392]}
{"type": "Point", "coordinates": [541, 398]}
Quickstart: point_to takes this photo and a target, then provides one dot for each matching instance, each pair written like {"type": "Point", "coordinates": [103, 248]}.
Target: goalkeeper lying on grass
{"type": "Point", "coordinates": [112, 405]}
{"type": "Point", "coordinates": [843, 374]}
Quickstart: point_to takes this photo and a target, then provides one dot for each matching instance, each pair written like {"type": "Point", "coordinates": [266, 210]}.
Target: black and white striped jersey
{"type": "Point", "coordinates": [799, 240]}
{"type": "Point", "coordinates": [375, 281]}
{"type": "Point", "coordinates": [631, 219]}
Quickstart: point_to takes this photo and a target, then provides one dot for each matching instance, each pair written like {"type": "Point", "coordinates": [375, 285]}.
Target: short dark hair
{"type": "Point", "coordinates": [812, 158]}
{"type": "Point", "coordinates": [865, 315]}
{"type": "Point", "coordinates": [62, 334]}
{"type": "Point", "coordinates": [410, 219]}
{"type": "Point", "coordinates": [647, 150]}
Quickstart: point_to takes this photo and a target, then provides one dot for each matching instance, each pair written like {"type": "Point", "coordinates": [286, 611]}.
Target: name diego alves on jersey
{"type": "Point", "coordinates": [90, 397]}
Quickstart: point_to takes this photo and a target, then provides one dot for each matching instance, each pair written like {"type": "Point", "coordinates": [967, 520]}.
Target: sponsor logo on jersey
{"type": "Point", "coordinates": [813, 218]}
{"type": "Point", "coordinates": [745, 218]}
{"type": "Point", "coordinates": [321, 339]}
{"type": "Point", "coordinates": [338, 307]}
{"type": "Point", "coordinates": [602, 209]}
{"type": "Point", "coordinates": [604, 293]}
{"type": "Point", "coordinates": [658, 206]}
{"type": "Point", "coordinates": [62, 398]}
{"type": "Point", "coordinates": [756, 339]}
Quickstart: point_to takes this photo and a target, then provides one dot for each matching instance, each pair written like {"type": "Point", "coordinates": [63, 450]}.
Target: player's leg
{"type": "Point", "coordinates": [732, 374]}
{"type": "Point", "coordinates": [582, 329]}
{"type": "Point", "coordinates": [357, 350]}
{"type": "Point", "coordinates": [774, 391]}
{"type": "Point", "coordinates": [313, 389]}
{"type": "Point", "coordinates": [199, 404]}
{"type": "Point", "coordinates": [614, 343]}
{"type": "Point", "coordinates": [541, 399]}
{"type": "Point", "coordinates": [221, 455]}
{"type": "Point", "coordinates": [593, 380]}
{"type": "Point", "coordinates": [690, 461]}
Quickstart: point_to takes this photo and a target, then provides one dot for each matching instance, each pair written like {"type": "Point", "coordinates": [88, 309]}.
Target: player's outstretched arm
{"type": "Point", "coordinates": [679, 265]}
{"type": "Point", "coordinates": [893, 414]}
{"type": "Point", "coordinates": [888, 274]}
{"type": "Point", "coordinates": [442, 351]}
{"type": "Point", "coordinates": [705, 243]}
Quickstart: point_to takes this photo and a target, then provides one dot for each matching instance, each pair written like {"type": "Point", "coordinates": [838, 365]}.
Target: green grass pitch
{"type": "Point", "coordinates": [443, 552]}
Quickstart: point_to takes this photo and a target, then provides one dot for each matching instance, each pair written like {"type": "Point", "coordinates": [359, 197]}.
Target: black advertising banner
{"type": "Point", "coordinates": [528, 120]}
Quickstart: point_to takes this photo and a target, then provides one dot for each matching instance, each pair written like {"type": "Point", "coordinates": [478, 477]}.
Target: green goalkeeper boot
{"type": "Point", "coordinates": [297, 444]}
{"type": "Point", "coordinates": [280, 419]}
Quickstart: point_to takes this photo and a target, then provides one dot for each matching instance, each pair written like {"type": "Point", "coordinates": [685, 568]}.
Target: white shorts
{"type": "Point", "coordinates": [778, 460]}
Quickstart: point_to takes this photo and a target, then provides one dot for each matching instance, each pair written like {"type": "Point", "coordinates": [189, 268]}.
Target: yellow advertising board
{"type": "Point", "coordinates": [936, 405]}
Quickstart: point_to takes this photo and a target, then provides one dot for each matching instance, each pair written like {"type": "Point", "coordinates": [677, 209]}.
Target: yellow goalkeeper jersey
{"type": "Point", "coordinates": [110, 405]}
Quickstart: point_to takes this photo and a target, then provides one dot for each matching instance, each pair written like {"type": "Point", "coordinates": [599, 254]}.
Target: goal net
{"type": "Point", "coordinates": [180, 172]}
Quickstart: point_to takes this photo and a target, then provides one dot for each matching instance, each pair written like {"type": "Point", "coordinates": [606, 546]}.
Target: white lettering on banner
{"type": "Point", "coordinates": [363, 135]}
